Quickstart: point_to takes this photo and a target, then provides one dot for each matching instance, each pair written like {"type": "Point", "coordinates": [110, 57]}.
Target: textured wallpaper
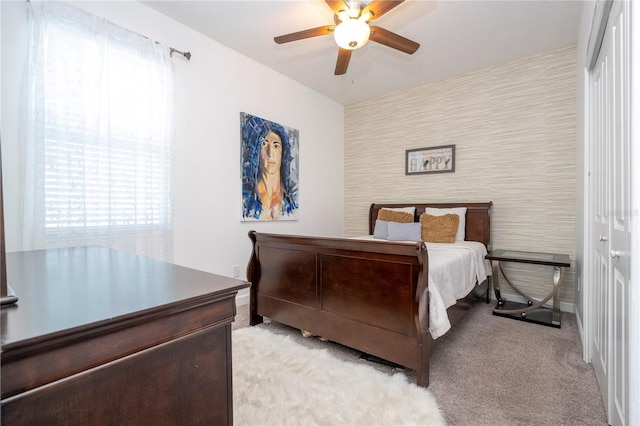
{"type": "Point", "coordinates": [514, 131]}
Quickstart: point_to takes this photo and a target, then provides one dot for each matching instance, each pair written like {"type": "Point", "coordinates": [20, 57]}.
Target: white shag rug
{"type": "Point", "coordinates": [277, 381]}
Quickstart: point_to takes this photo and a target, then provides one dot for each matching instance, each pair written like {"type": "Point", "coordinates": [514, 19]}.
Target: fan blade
{"type": "Point", "coordinates": [313, 32]}
{"type": "Point", "coordinates": [380, 7]}
{"type": "Point", "coordinates": [337, 5]}
{"type": "Point", "coordinates": [343, 61]}
{"type": "Point", "coordinates": [393, 40]}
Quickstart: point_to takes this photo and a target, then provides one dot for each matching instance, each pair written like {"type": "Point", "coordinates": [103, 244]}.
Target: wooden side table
{"type": "Point", "coordinates": [531, 311]}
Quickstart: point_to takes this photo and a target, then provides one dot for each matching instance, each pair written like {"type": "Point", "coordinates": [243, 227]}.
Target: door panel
{"type": "Point", "coordinates": [609, 190]}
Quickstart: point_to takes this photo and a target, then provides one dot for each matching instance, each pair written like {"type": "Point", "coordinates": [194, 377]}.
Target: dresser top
{"type": "Point", "coordinates": [65, 290]}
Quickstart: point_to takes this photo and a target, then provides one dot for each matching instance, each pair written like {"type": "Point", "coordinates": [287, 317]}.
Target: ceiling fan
{"type": "Point", "coordinates": [352, 29]}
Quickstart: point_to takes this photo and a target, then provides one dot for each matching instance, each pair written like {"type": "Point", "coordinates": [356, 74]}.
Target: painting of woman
{"type": "Point", "coordinates": [269, 170]}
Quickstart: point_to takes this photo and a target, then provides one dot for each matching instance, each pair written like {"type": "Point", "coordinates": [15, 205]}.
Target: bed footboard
{"type": "Point", "coordinates": [368, 295]}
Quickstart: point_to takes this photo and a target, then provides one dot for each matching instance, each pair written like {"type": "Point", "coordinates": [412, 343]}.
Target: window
{"type": "Point", "coordinates": [102, 127]}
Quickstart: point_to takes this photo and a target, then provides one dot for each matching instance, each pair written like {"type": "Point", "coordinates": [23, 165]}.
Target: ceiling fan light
{"type": "Point", "coordinates": [352, 34]}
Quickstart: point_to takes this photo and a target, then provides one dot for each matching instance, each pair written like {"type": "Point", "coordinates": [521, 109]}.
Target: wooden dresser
{"type": "Point", "coordinates": [102, 337]}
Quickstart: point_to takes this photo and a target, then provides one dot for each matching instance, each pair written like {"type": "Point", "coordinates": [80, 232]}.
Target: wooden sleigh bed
{"type": "Point", "coordinates": [370, 295]}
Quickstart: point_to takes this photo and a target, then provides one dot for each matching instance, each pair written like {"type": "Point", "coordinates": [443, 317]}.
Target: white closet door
{"type": "Point", "coordinates": [620, 213]}
{"type": "Point", "coordinates": [610, 239]}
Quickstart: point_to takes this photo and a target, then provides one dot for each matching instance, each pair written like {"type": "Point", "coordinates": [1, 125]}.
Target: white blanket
{"type": "Point", "coordinates": [454, 269]}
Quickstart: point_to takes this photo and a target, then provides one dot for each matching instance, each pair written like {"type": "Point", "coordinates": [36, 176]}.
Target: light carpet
{"type": "Point", "coordinates": [277, 381]}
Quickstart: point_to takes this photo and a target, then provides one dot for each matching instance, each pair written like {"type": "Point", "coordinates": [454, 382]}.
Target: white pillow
{"type": "Point", "coordinates": [460, 211]}
{"type": "Point", "coordinates": [381, 229]}
{"type": "Point", "coordinates": [404, 231]}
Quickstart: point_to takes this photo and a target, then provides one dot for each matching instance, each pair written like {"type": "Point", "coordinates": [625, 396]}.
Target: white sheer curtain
{"type": "Point", "coordinates": [98, 135]}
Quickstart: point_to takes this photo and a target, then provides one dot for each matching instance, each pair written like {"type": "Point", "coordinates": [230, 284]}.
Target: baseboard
{"type": "Point", "coordinates": [585, 354]}
{"type": "Point", "coordinates": [242, 298]}
{"type": "Point", "coordinates": [514, 297]}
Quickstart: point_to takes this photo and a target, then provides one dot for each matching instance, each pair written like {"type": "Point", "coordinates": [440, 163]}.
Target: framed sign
{"type": "Point", "coordinates": [435, 159]}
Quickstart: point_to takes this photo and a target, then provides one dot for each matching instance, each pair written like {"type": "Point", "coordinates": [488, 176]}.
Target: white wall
{"type": "Point", "coordinates": [211, 91]}
{"type": "Point", "coordinates": [12, 51]}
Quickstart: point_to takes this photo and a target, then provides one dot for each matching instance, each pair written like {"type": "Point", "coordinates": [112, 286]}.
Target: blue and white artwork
{"type": "Point", "coordinates": [269, 169]}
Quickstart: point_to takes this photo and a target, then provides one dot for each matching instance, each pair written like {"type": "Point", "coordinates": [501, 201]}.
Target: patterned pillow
{"type": "Point", "coordinates": [460, 211]}
{"type": "Point", "coordinates": [395, 216]}
{"type": "Point", "coordinates": [439, 229]}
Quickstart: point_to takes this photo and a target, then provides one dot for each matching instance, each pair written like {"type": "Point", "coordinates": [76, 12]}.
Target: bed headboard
{"type": "Point", "coordinates": [478, 219]}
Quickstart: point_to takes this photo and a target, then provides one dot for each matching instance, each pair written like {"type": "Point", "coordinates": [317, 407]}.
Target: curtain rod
{"type": "Point", "coordinates": [171, 49]}
{"type": "Point", "coordinates": [185, 54]}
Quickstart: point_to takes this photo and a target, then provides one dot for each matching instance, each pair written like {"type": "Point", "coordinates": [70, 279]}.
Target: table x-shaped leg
{"type": "Point", "coordinates": [496, 268]}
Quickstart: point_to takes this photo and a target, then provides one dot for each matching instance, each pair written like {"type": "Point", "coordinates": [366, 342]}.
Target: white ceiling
{"type": "Point", "coordinates": [456, 37]}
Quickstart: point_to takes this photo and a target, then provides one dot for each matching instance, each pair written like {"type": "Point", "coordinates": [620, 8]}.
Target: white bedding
{"type": "Point", "coordinates": [454, 269]}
